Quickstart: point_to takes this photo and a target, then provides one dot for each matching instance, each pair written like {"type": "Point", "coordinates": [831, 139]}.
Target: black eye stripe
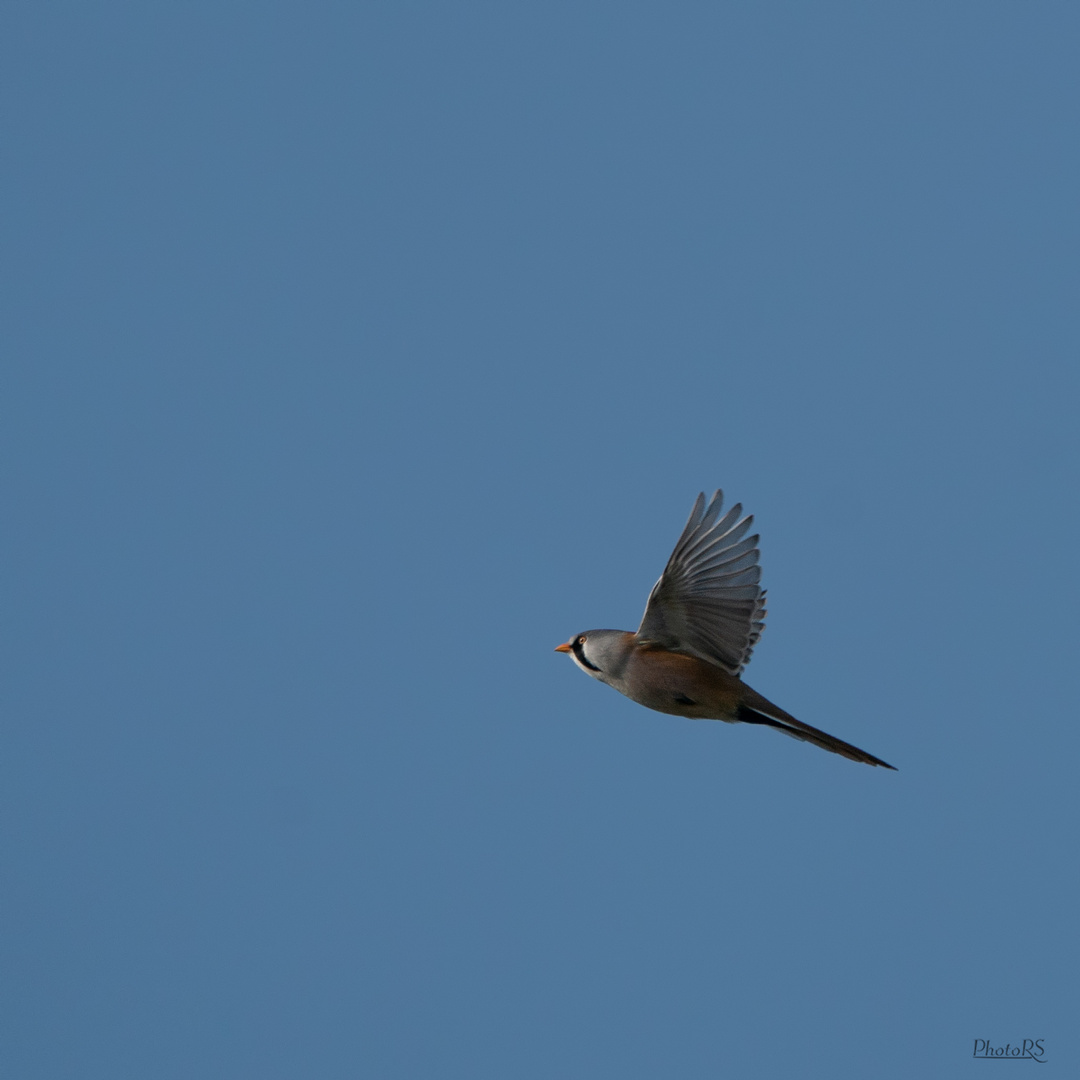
{"type": "Point", "coordinates": [579, 652]}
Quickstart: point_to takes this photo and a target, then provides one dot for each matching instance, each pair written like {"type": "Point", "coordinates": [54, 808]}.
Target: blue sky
{"type": "Point", "coordinates": [357, 355]}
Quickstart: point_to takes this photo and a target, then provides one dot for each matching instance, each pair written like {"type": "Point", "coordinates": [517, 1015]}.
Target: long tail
{"type": "Point", "coordinates": [787, 723]}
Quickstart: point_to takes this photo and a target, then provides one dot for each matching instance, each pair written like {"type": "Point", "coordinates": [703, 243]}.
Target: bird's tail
{"type": "Point", "coordinates": [775, 717]}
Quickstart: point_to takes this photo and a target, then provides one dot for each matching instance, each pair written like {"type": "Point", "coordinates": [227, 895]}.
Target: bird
{"type": "Point", "coordinates": [702, 620]}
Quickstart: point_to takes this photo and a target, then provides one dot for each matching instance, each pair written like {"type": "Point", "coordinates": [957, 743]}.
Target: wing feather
{"type": "Point", "coordinates": [708, 601]}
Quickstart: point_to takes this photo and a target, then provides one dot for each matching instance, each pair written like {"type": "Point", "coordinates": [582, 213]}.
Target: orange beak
{"type": "Point", "coordinates": [564, 648]}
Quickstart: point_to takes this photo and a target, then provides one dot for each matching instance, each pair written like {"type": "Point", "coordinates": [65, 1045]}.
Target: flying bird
{"type": "Point", "coordinates": [701, 623]}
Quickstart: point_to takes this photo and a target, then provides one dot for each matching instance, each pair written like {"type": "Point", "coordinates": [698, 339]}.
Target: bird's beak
{"type": "Point", "coordinates": [564, 648]}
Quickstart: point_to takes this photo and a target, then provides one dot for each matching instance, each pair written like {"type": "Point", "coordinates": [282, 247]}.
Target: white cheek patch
{"type": "Point", "coordinates": [594, 672]}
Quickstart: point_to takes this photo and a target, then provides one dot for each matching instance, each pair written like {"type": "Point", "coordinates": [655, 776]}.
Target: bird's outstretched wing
{"type": "Point", "coordinates": [708, 601]}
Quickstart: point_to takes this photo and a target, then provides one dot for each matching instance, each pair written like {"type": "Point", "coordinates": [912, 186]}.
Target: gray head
{"type": "Point", "coordinates": [600, 653]}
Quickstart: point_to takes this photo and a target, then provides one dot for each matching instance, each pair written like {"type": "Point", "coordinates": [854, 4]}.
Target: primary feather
{"type": "Point", "coordinates": [708, 601]}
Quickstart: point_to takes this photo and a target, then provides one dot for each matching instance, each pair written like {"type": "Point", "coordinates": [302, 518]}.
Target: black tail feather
{"type": "Point", "coordinates": [798, 730]}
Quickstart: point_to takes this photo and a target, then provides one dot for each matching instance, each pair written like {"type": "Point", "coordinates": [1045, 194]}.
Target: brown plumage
{"type": "Point", "coordinates": [702, 620]}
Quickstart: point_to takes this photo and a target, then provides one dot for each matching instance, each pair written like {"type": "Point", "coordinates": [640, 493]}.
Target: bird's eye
{"type": "Point", "coordinates": [581, 640]}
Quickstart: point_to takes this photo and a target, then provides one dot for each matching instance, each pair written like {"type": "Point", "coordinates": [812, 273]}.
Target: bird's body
{"type": "Point", "coordinates": [702, 620]}
{"type": "Point", "coordinates": [669, 682]}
